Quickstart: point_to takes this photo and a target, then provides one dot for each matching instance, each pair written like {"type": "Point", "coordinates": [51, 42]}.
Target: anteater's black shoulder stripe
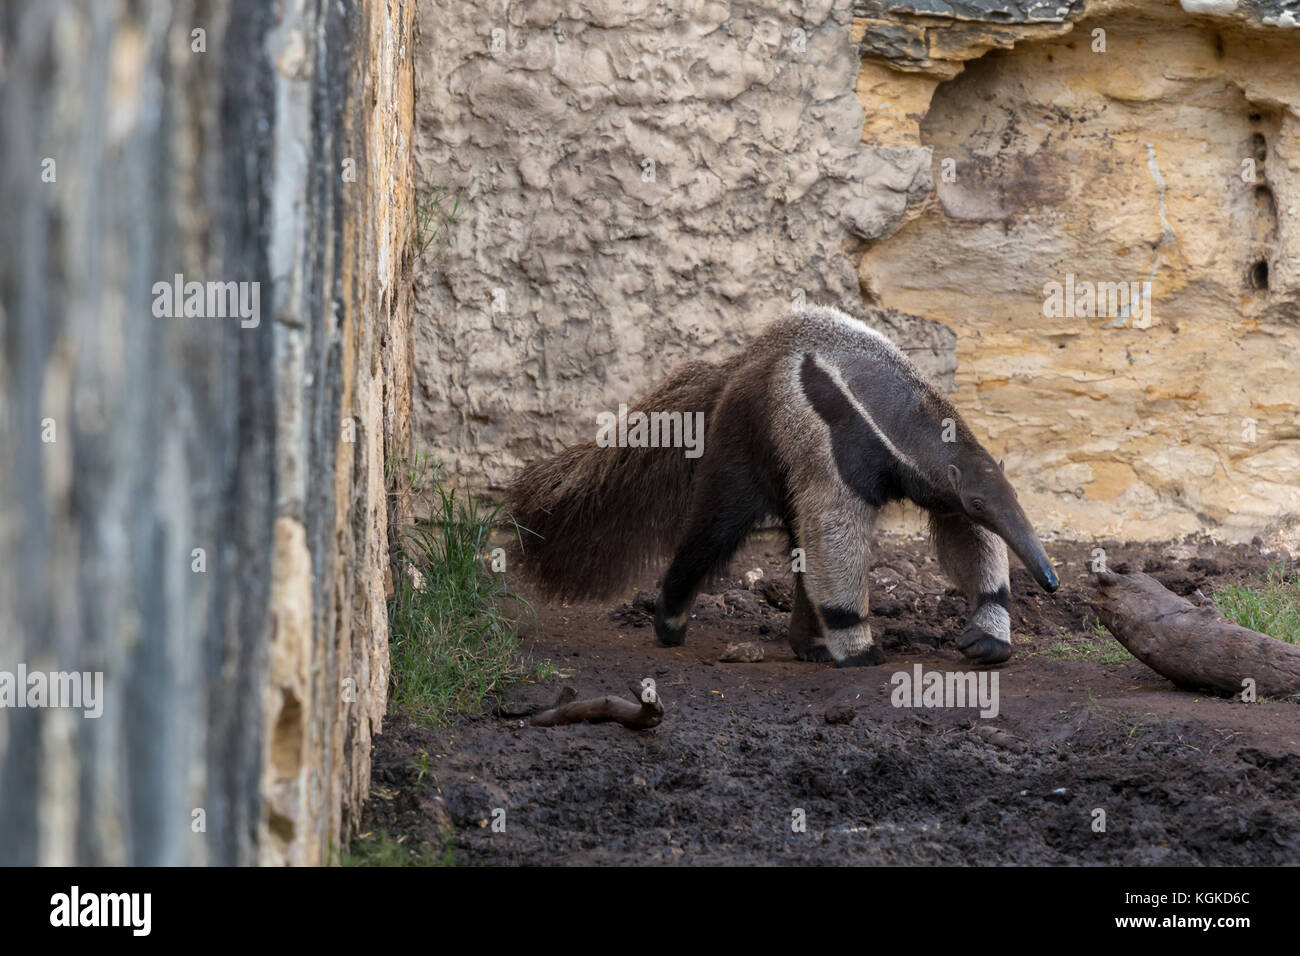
{"type": "Point", "coordinates": [864, 462]}
{"type": "Point", "coordinates": [823, 394]}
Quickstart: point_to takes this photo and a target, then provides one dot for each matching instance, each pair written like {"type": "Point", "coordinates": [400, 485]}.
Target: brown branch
{"type": "Point", "coordinates": [1195, 647]}
{"type": "Point", "coordinates": [597, 710]}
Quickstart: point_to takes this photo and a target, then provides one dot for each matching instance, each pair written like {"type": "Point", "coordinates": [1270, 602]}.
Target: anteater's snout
{"type": "Point", "coordinates": [1029, 550]}
{"type": "Point", "coordinates": [1048, 579]}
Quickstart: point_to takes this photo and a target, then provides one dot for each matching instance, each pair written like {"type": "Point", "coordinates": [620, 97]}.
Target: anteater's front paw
{"type": "Point", "coordinates": [817, 653]}
{"type": "Point", "coordinates": [982, 647]}
{"type": "Point", "coordinates": [867, 657]}
{"type": "Point", "coordinates": [668, 635]}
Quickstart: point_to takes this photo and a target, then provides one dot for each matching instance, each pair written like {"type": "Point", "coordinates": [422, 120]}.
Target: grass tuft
{"type": "Point", "coordinates": [1091, 650]}
{"type": "Point", "coordinates": [436, 211]}
{"type": "Point", "coordinates": [452, 623]}
{"type": "Point", "coordinates": [1095, 645]}
{"type": "Point", "coordinates": [1270, 605]}
{"type": "Point", "coordinates": [380, 849]}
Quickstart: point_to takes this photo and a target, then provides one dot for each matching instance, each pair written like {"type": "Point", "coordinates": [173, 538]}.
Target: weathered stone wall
{"type": "Point", "coordinates": [1140, 143]}
{"type": "Point", "coordinates": [572, 282]}
{"type": "Point", "coordinates": [195, 505]}
{"type": "Point", "coordinates": [644, 183]}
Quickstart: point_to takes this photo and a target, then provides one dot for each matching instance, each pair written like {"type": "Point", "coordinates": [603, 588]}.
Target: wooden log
{"type": "Point", "coordinates": [1193, 646]}
{"type": "Point", "coordinates": [595, 710]}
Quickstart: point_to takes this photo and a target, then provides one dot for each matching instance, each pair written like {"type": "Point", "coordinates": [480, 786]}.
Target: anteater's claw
{"type": "Point", "coordinates": [982, 647]}
{"type": "Point", "coordinates": [817, 653]}
{"type": "Point", "coordinates": [868, 657]}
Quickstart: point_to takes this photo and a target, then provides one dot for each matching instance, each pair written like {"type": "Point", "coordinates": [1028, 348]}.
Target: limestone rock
{"type": "Point", "coordinates": [745, 653]}
{"type": "Point", "coordinates": [1057, 163]}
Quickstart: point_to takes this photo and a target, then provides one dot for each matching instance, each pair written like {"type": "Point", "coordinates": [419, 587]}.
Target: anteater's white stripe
{"type": "Point", "coordinates": [838, 379]}
{"type": "Point", "coordinates": [856, 324]}
{"type": "Point", "coordinates": [993, 619]}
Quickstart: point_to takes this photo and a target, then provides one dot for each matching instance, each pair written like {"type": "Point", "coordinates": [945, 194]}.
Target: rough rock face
{"type": "Point", "coordinates": [1069, 158]}
{"type": "Point", "coordinates": [992, 151]}
{"type": "Point", "coordinates": [194, 505]}
{"type": "Point", "coordinates": [644, 183]}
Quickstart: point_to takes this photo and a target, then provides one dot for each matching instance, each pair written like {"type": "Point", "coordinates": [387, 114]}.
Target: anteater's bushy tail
{"type": "Point", "coordinates": [591, 517]}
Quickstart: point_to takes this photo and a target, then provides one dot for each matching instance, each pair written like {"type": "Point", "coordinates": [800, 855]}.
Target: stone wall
{"type": "Point", "coordinates": [1139, 143]}
{"type": "Point", "coordinates": [194, 505]}
{"type": "Point", "coordinates": [574, 278]}
{"type": "Point", "coordinates": [643, 183]}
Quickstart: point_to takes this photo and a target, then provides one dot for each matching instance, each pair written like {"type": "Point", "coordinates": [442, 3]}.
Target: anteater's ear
{"type": "Point", "coordinates": [1002, 464]}
{"type": "Point", "coordinates": [954, 476]}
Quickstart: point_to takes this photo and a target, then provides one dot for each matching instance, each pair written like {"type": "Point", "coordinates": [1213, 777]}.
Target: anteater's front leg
{"type": "Point", "coordinates": [834, 528]}
{"type": "Point", "coordinates": [976, 561]}
{"type": "Point", "coordinates": [726, 504]}
{"type": "Point", "coordinates": [806, 639]}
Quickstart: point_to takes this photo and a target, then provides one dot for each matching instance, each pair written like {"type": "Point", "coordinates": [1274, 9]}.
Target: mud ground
{"type": "Point", "coordinates": [1182, 778]}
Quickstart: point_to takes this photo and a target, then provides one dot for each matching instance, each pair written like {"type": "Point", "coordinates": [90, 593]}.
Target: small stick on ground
{"type": "Point", "coordinates": [1195, 647]}
{"type": "Point", "coordinates": [597, 710]}
{"type": "Point", "coordinates": [1000, 738]}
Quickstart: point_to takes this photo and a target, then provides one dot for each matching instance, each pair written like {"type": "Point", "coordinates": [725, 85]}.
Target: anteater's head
{"type": "Point", "coordinates": [988, 499]}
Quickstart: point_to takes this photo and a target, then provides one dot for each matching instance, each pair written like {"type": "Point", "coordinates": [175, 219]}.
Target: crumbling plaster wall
{"type": "Point", "coordinates": [573, 279]}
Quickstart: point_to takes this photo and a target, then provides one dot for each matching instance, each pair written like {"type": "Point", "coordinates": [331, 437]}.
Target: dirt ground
{"type": "Point", "coordinates": [1182, 778]}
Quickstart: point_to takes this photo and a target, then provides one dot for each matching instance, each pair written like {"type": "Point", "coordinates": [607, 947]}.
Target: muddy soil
{"type": "Point", "coordinates": [747, 749]}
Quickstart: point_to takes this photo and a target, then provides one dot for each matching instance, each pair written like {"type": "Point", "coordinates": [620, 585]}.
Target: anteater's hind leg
{"type": "Point", "coordinates": [976, 561]}
{"type": "Point", "coordinates": [806, 639]}
{"type": "Point", "coordinates": [725, 506]}
{"type": "Point", "coordinates": [834, 529]}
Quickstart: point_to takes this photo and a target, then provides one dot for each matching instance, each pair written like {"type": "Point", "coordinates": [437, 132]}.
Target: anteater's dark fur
{"type": "Point", "coordinates": [590, 518]}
